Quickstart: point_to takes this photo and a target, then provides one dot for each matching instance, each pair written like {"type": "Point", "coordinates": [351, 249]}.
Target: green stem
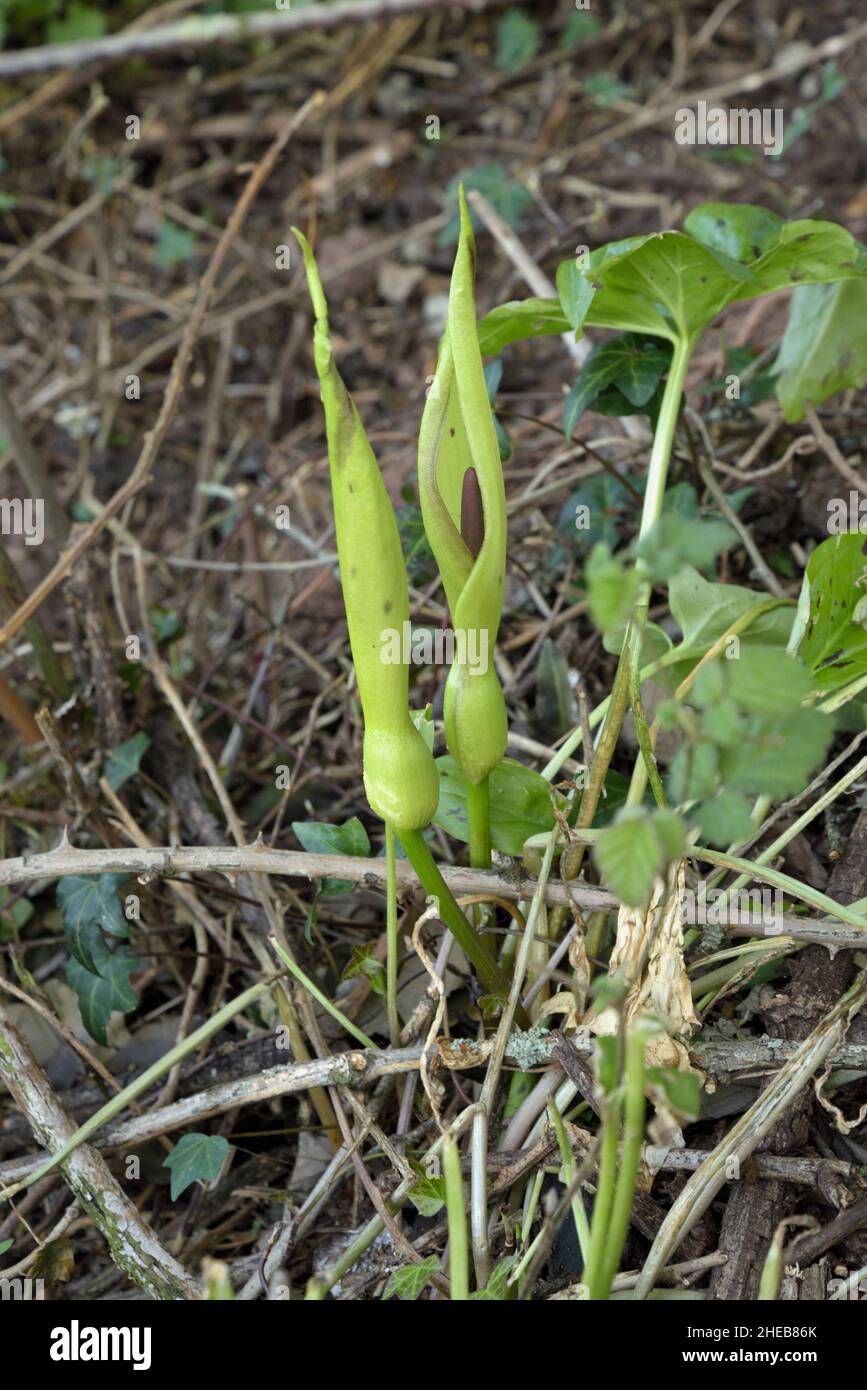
{"type": "Point", "coordinates": [654, 495]}
{"type": "Point", "coordinates": [475, 948]}
{"type": "Point", "coordinates": [594, 1269]}
{"type": "Point", "coordinates": [630, 1155]}
{"type": "Point", "coordinates": [321, 998]}
{"type": "Point", "coordinates": [459, 1258]}
{"type": "Point", "coordinates": [479, 823]}
{"type": "Point", "coordinates": [391, 934]}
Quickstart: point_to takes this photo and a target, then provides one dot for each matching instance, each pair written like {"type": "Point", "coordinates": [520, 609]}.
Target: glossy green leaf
{"type": "Point", "coordinates": [520, 804]}
{"type": "Point", "coordinates": [318, 837]}
{"type": "Point", "coordinates": [739, 230]}
{"type": "Point", "coordinates": [106, 992]}
{"type": "Point", "coordinates": [196, 1158]}
{"type": "Point", "coordinates": [90, 905]}
{"type": "Point", "coordinates": [520, 319]}
{"type": "Point", "coordinates": [632, 363]}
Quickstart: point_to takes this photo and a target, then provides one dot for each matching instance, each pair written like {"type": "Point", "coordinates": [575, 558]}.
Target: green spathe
{"type": "Point", "coordinates": [463, 504]}
{"type": "Point", "coordinates": [399, 774]}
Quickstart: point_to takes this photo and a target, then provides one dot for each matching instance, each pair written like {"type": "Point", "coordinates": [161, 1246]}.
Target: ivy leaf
{"type": "Point", "coordinates": [508, 197]}
{"type": "Point", "coordinates": [824, 347]}
{"type": "Point", "coordinates": [196, 1158]}
{"type": "Point", "coordinates": [173, 245]}
{"type": "Point", "coordinates": [6, 1245]}
{"type": "Point", "coordinates": [125, 760]}
{"type": "Point", "coordinates": [596, 512]}
{"type": "Point", "coordinates": [318, 837]}
{"type": "Point", "coordinates": [106, 992]}
{"type": "Point", "coordinates": [633, 363]}
{"type": "Point", "coordinates": [409, 1281]}
{"type": "Point", "coordinates": [427, 1194]}
{"type": "Point", "coordinates": [520, 801]}
{"type": "Point", "coordinates": [519, 39]}
{"type": "Point", "coordinates": [89, 905]}
{"type": "Point", "coordinates": [364, 962]}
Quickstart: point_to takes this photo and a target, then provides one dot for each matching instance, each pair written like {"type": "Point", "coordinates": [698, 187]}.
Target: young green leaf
{"type": "Point", "coordinates": [612, 588]}
{"type": "Point", "coordinates": [519, 39]}
{"type": "Point", "coordinates": [196, 1158]}
{"type": "Point", "coordinates": [409, 1281]}
{"type": "Point", "coordinates": [520, 319]}
{"type": "Point", "coordinates": [635, 850]}
{"type": "Point", "coordinates": [725, 818]}
{"type": "Point", "coordinates": [427, 1194]}
{"type": "Point", "coordinates": [704, 611]}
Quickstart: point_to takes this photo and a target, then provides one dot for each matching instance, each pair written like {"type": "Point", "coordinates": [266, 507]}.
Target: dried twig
{"type": "Point", "coordinates": [206, 30]}
{"type": "Point", "coordinates": [134, 1247]}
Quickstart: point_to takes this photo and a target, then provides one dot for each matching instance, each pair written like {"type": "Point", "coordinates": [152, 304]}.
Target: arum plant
{"type": "Point", "coordinates": [671, 285]}
{"type": "Point", "coordinates": [400, 777]}
{"type": "Point", "coordinates": [463, 503]}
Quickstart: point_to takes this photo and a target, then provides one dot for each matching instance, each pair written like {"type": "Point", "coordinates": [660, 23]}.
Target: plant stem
{"type": "Point", "coordinates": [594, 1269]}
{"type": "Point", "coordinates": [654, 495]}
{"type": "Point", "coordinates": [320, 997]}
{"type": "Point", "coordinates": [479, 823]}
{"type": "Point", "coordinates": [630, 1154]}
{"type": "Point", "coordinates": [459, 1259]}
{"type": "Point", "coordinates": [391, 934]}
{"type": "Point", "coordinates": [475, 948]}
